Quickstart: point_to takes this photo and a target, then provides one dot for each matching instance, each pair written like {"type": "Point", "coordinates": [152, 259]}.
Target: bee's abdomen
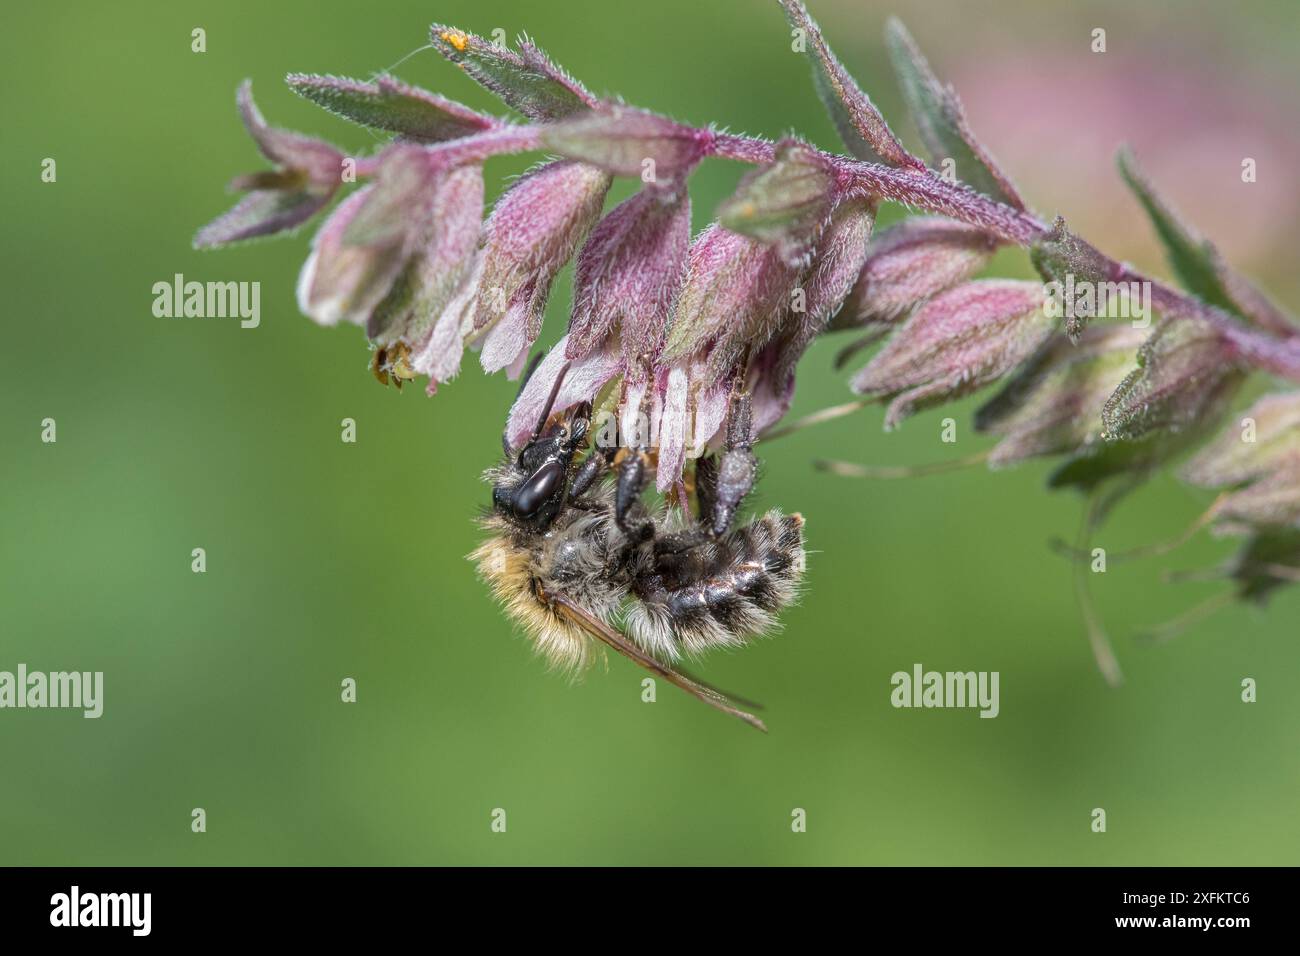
{"type": "Point", "coordinates": [756, 575]}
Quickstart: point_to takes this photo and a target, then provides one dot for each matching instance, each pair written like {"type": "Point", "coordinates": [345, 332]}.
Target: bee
{"type": "Point", "coordinates": [579, 560]}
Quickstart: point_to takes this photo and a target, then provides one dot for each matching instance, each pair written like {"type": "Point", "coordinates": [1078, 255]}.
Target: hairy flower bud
{"type": "Point", "coordinates": [443, 256]}
{"type": "Point", "coordinates": [956, 343]}
{"type": "Point", "coordinates": [1272, 501]}
{"type": "Point", "coordinates": [911, 261]}
{"type": "Point", "coordinates": [1053, 405]}
{"type": "Point", "coordinates": [307, 173]}
{"type": "Point", "coordinates": [532, 232]}
{"type": "Point", "coordinates": [1182, 368]}
{"type": "Point", "coordinates": [787, 201]}
{"type": "Point", "coordinates": [366, 243]}
{"type": "Point", "coordinates": [735, 294]}
{"type": "Point", "coordinates": [836, 265]}
{"type": "Point", "coordinates": [630, 142]}
{"type": "Point", "coordinates": [1268, 432]}
{"type": "Point", "coordinates": [627, 274]}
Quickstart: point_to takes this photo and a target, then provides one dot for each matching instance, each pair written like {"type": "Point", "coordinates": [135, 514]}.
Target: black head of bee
{"type": "Point", "coordinates": [532, 491]}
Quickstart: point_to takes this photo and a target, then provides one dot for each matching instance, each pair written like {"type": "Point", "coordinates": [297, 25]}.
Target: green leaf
{"type": "Point", "coordinates": [390, 105]}
{"type": "Point", "coordinates": [1193, 258]}
{"type": "Point", "coordinates": [859, 123]}
{"type": "Point", "coordinates": [1256, 567]}
{"type": "Point", "coordinates": [941, 121]}
{"type": "Point", "coordinates": [526, 81]}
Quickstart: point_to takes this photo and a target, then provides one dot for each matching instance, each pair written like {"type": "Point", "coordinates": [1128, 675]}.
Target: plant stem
{"type": "Point", "coordinates": [850, 469]}
{"type": "Point", "coordinates": [922, 189]}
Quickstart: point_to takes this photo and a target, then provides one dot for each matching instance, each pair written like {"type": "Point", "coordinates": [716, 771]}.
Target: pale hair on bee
{"type": "Point", "coordinates": [579, 560]}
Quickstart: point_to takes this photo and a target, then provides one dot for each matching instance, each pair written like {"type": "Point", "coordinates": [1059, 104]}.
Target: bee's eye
{"type": "Point", "coordinates": [538, 489]}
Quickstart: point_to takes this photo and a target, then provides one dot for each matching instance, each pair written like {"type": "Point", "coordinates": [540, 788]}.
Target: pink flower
{"type": "Point", "coordinates": [910, 262]}
{"type": "Point", "coordinates": [531, 234]}
{"type": "Point", "coordinates": [628, 273]}
{"type": "Point", "coordinates": [959, 341]}
{"type": "Point", "coordinates": [307, 173]}
{"type": "Point", "coordinates": [369, 239]}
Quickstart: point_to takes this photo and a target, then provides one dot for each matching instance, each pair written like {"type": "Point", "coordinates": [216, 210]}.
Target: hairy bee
{"type": "Point", "coordinates": [577, 557]}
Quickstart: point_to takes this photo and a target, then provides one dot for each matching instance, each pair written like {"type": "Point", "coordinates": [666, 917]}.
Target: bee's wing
{"type": "Point", "coordinates": [603, 632]}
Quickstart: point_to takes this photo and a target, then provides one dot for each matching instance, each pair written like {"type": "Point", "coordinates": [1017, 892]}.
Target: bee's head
{"type": "Point", "coordinates": [532, 488]}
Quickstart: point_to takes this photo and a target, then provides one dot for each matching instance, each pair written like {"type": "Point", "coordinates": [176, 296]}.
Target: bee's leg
{"type": "Point", "coordinates": [671, 549]}
{"type": "Point", "coordinates": [706, 487]}
{"type": "Point", "coordinates": [592, 468]}
{"type": "Point", "coordinates": [738, 468]}
{"type": "Point", "coordinates": [633, 474]}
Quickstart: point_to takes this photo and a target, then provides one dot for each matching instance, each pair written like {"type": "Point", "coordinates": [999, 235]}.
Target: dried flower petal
{"type": "Point", "coordinates": [391, 105]}
{"type": "Point", "coordinates": [627, 274]}
{"type": "Point", "coordinates": [526, 81]}
{"type": "Point", "coordinates": [1268, 432]}
{"type": "Point", "coordinates": [956, 343]}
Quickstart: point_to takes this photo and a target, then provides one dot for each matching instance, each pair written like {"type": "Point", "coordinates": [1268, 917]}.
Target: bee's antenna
{"type": "Point", "coordinates": [550, 401]}
{"type": "Point", "coordinates": [535, 361]}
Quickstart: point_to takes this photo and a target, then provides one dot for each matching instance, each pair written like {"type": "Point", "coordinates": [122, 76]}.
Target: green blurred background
{"type": "Point", "coordinates": [328, 560]}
